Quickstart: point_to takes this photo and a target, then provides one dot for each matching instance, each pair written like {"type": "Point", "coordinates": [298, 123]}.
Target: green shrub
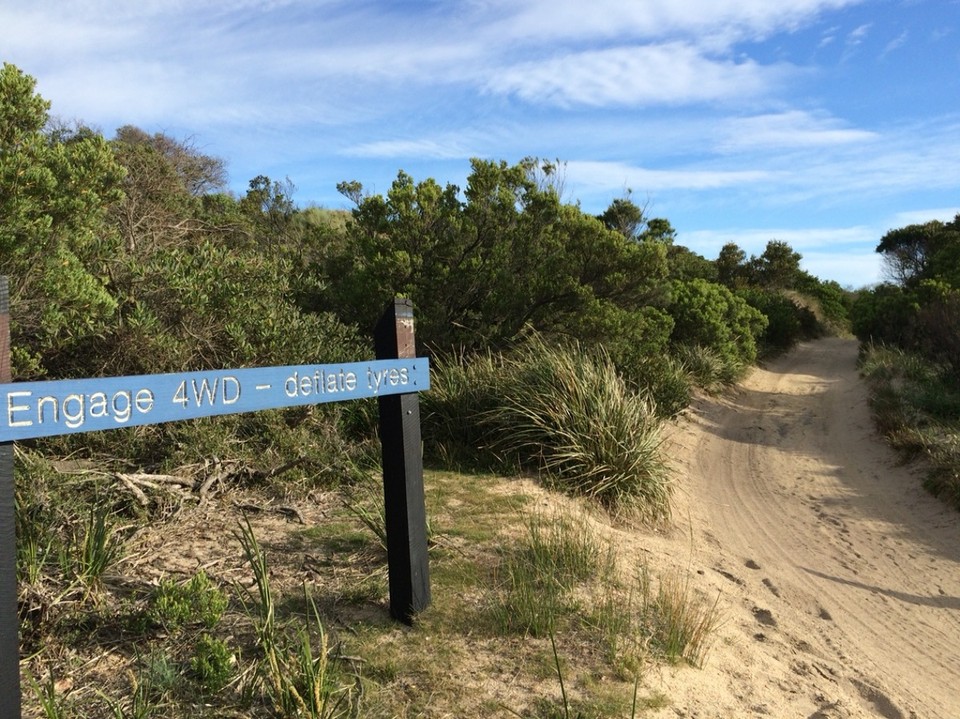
{"type": "Point", "coordinates": [710, 315]}
{"type": "Point", "coordinates": [199, 601]}
{"type": "Point", "coordinates": [787, 321]}
{"type": "Point", "coordinates": [212, 663]}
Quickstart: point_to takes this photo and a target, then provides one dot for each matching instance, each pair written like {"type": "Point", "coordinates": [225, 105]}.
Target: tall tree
{"type": "Point", "coordinates": [778, 267]}
{"type": "Point", "coordinates": [908, 251]}
{"type": "Point", "coordinates": [731, 266]}
{"type": "Point", "coordinates": [164, 184]}
{"type": "Point", "coordinates": [55, 190]}
{"type": "Point", "coordinates": [625, 216]}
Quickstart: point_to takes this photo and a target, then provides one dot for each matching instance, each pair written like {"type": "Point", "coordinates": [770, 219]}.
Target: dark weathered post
{"type": "Point", "coordinates": [406, 516]}
{"type": "Point", "coordinates": [9, 621]}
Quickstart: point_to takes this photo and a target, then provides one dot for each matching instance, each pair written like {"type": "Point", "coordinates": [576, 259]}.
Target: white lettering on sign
{"type": "Point", "coordinates": [223, 390]}
{"type": "Point", "coordinates": [378, 380]}
{"type": "Point", "coordinates": [26, 410]}
{"type": "Point", "coordinates": [320, 382]}
{"type": "Point", "coordinates": [43, 409]}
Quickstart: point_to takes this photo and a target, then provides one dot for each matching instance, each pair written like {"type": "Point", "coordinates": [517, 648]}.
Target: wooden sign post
{"type": "Point", "coordinates": [406, 518]}
{"type": "Point", "coordinates": [42, 409]}
{"type": "Point", "coordinates": [9, 618]}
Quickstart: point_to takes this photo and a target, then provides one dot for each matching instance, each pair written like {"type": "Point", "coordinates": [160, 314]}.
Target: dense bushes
{"type": "Point", "coordinates": [787, 321]}
{"type": "Point", "coordinates": [910, 331]}
{"type": "Point", "coordinates": [921, 312]}
{"type": "Point", "coordinates": [129, 257]}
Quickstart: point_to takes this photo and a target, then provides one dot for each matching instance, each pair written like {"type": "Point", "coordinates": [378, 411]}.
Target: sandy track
{"type": "Point", "coordinates": [838, 576]}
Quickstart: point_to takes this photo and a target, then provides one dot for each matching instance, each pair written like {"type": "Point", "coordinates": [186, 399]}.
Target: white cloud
{"type": "Point", "coordinates": [421, 149]}
{"type": "Point", "coordinates": [919, 217]}
{"type": "Point", "coordinates": [791, 129]}
{"type": "Point", "coordinates": [895, 43]}
{"type": "Point", "coordinates": [858, 34]}
{"type": "Point", "coordinates": [672, 73]}
{"type": "Point", "coordinates": [617, 175]}
{"type": "Point", "coordinates": [850, 269]}
{"type": "Point", "coordinates": [716, 21]}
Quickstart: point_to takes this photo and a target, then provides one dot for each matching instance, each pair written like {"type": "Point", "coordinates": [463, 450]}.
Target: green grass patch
{"type": "Point", "coordinates": [916, 405]}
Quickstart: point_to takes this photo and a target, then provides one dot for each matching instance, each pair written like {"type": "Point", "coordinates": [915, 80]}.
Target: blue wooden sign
{"type": "Point", "coordinates": [43, 409]}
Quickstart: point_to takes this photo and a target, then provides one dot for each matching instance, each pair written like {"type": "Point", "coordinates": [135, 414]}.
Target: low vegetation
{"type": "Point", "coordinates": [916, 405]}
{"type": "Point", "coordinates": [283, 619]}
{"type": "Point", "coordinates": [909, 328]}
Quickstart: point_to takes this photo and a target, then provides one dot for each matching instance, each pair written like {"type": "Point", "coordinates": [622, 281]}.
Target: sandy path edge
{"type": "Point", "coordinates": [838, 577]}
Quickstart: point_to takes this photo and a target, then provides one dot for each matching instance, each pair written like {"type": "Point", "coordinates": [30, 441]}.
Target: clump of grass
{"type": "Point", "coordinates": [463, 390]}
{"type": "Point", "coordinates": [528, 600]}
{"type": "Point", "coordinates": [663, 378]}
{"type": "Point", "coordinates": [364, 500]}
{"type": "Point", "coordinates": [533, 583]}
{"type": "Point", "coordinates": [615, 620]}
{"type": "Point", "coordinates": [98, 548]}
{"type": "Point", "coordinates": [560, 410]}
{"type": "Point", "coordinates": [562, 546]}
{"type": "Point", "coordinates": [141, 701]}
{"type": "Point", "coordinates": [677, 622]}
{"type": "Point", "coordinates": [46, 693]}
{"type": "Point", "coordinates": [299, 680]}
{"type": "Point", "coordinates": [709, 370]}
{"type": "Point", "coordinates": [571, 415]}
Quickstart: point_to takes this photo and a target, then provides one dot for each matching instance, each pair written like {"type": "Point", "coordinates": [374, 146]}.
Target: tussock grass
{"type": "Point", "coordinates": [299, 680]}
{"type": "Point", "coordinates": [708, 369]}
{"type": "Point", "coordinates": [561, 575]}
{"type": "Point", "coordinates": [571, 417]}
{"type": "Point", "coordinates": [678, 623]}
{"type": "Point", "coordinates": [534, 583]}
{"type": "Point", "coordinates": [560, 411]}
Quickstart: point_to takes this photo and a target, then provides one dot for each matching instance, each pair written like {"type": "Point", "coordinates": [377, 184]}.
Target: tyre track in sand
{"type": "Point", "coordinates": [842, 566]}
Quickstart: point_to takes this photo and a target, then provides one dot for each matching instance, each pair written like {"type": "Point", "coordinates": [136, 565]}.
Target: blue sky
{"type": "Point", "coordinates": [823, 123]}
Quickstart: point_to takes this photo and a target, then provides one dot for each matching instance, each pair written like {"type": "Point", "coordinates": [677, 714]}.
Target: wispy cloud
{"type": "Point", "coordinates": [724, 21]}
{"type": "Point", "coordinates": [617, 175]}
{"type": "Point", "coordinates": [652, 74]}
{"type": "Point", "coordinates": [786, 130]}
{"type": "Point", "coordinates": [895, 43]}
{"type": "Point", "coordinates": [437, 149]}
{"type": "Point", "coordinates": [858, 35]}
{"type": "Point", "coordinates": [919, 217]}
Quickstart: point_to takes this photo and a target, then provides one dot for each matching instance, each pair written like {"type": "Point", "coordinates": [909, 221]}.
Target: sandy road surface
{"type": "Point", "coordinates": [838, 576]}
